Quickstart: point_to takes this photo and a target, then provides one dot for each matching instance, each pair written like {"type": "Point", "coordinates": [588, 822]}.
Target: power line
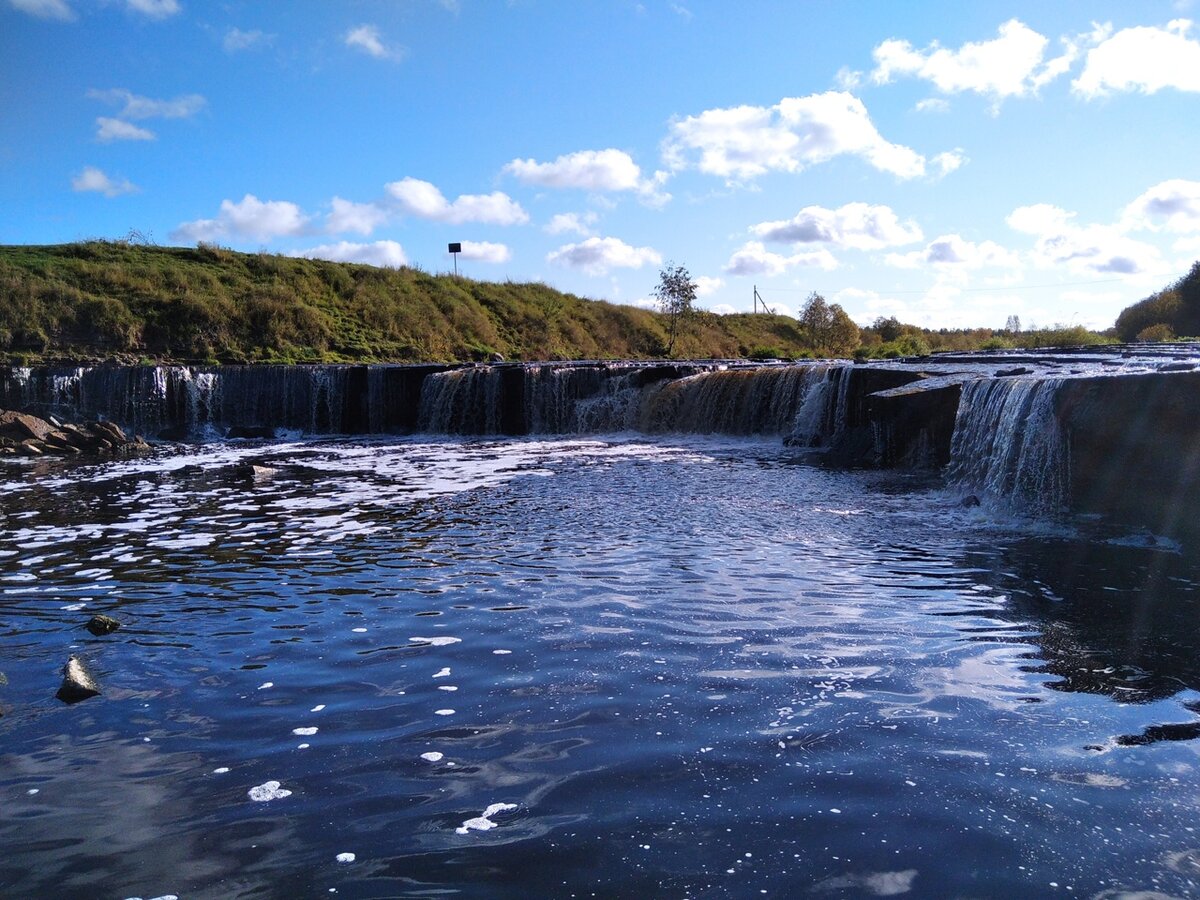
{"type": "Point", "coordinates": [1017, 287]}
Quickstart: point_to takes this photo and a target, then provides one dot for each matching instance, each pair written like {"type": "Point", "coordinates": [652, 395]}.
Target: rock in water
{"type": "Point", "coordinates": [101, 625]}
{"type": "Point", "coordinates": [77, 684]}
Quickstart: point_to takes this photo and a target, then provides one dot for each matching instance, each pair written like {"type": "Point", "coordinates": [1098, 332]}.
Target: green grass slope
{"type": "Point", "coordinates": [115, 300]}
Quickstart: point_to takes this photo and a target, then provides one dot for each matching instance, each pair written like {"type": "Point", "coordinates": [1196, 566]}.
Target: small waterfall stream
{"type": "Point", "coordinates": [1008, 445]}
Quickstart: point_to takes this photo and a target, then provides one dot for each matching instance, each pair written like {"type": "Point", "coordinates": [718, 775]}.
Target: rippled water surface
{"type": "Point", "coordinates": [577, 668]}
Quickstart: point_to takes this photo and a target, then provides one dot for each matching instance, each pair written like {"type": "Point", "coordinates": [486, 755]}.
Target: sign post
{"type": "Point", "coordinates": [455, 249]}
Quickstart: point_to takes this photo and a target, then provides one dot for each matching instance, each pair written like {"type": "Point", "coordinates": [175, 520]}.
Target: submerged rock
{"type": "Point", "coordinates": [77, 684]}
{"type": "Point", "coordinates": [101, 625]}
{"type": "Point", "coordinates": [250, 431]}
{"type": "Point", "coordinates": [968, 501]}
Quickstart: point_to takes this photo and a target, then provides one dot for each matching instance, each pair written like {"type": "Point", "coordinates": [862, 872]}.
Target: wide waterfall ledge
{"type": "Point", "coordinates": [1100, 431]}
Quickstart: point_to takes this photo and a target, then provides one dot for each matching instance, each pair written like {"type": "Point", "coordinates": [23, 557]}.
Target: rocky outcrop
{"type": "Point", "coordinates": [77, 683]}
{"type": "Point", "coordinates": [23, 434]}
{"type": "Point", "coordinates": [100, 625]}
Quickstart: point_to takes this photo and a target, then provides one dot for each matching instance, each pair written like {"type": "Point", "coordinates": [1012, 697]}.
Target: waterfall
{"type": "Point", "coordinates": [461, 401]}
{"type": "Point", "coordinates": [1008, 445]}
{"type": "Point", "coordinates": [204, 402]}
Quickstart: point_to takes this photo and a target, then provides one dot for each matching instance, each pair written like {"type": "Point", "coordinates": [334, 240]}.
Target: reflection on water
{"type": "Point", "coordinates": [563, 667]}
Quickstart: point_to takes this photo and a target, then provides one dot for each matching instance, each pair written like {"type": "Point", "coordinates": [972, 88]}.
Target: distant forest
{"type": "Point", "coordinates": [132, 302]}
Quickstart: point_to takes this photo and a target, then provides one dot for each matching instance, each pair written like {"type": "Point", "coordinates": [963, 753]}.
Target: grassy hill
{"type": "Point", "coordinates": [117, 300]}
{"type": "Point", "coordinates": [1173, 311]}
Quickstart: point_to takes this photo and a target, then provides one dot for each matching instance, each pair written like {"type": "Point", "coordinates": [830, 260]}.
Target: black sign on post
{"type": "Point", "coordinates": [455, 249]}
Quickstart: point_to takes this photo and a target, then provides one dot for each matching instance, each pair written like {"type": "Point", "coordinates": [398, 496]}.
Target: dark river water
{"type": "Point", "coordinates": [607, 667]}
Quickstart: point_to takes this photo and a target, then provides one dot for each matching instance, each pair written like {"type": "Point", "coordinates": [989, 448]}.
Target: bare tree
{"type": "Point", "coordinates": [675, 293]}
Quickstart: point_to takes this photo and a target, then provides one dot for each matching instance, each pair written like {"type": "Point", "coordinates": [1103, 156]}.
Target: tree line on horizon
{"type": "Point", "coordinates": [130, 301]}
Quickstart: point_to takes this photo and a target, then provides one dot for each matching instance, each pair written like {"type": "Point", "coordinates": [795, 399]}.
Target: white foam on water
{"type": "Point", "coordinates": [303, 746]}
{"type": "Point", "coordinates": [501, 652]}
{"type": "Point", "coordinates": [33, 791]}
{"type": "Point", "coordinates": [432, 756]}
{"type": "Point", "coordinates": [73, 607]}
{"type": "Point", "coordinates": [359, 630]}
{"type": "Point", "coordinates": [265, 685]}
{"type": "Point", "coordinates": [443, 712]}
{"type": "Point", "coordinates": [346, 857]}
{"type": "Point", "coordinates": [443, 673]}
{"type": "Point", "coordinates": [267, 791]}
{"type": "Point", "coordinates": [437, 641]}
{"type": "Point", "coordinates": [484, 822]}
{"type": "Point", "coordinates": [318, 707]}
{"type": "Point", "coordinates": [221, 771]}
{"type": "Point", "coordinates": [184, 543]}
{"type": "Point", "coordinates": [307, 731]}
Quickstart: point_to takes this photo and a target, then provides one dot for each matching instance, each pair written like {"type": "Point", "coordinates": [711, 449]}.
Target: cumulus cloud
{"type": "Point", "coordinates": [235, 39]}
{"type": "Point", "coordinates": [93, 179]}
{"type": "Point", "coordinates": [949, 161]}
{"type": "Point", "coordinates": [1013, 64]}
{"type": "Point", "coordinates": [572, 223]}
{"type": "Point", "coordinates": [1143, 59]}
{"type": "Point", "coordinates": [1172, 205]}
{"type": "Point", "coordinates": [385, 254]}
{"type": "Point", "coordinates": [423, 200]}
{"type": "Point", "coordinates": [485, 251]}
{"type": "Point", "coordinates": [45, 9]}
{"type": "Point", "coordinates": [108, 130]}
{"type": "Point", "coordinates": [590, 170]}
{"type": "Point", "coordinates": [366, 39]}
{"type": "Point", "coordinates": [952, 251]}
{"type": "Point", "coordinates": [346, 215]}
{"type": "Point", "coordinates": [743, 142]}
{"type": "Point", "coordinates": [154, 9]}
{"type": "Point", "coordinates": [707, 285]}
{"type": "Point", "coordinates": [1084, 249]}
{"type": "Point", "coordinates": [597, 255]}
{"type": "Point", "coordinates": [135, 106]}
{"type": "Point", "coordinates": [753, 258]}
{"type": "Point", "coordinates": [248, 218]}
{"type": "Point", "coordinates": [856, 225]}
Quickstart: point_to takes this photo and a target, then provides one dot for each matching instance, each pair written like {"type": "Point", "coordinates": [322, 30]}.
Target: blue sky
{"type": "Point", "coordinates": [949, 163]}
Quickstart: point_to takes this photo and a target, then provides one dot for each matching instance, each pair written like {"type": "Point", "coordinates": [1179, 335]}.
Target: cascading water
{"type": "Point", "coordinates": [1008, 446]}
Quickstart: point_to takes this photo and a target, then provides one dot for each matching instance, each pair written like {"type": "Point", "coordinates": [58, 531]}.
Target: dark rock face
{"type": "Point", "coordinates": [1134, 445]}
{"type": "Point", "coordinates": [77, 683]}
{"type": "Point", "coordinates": [102, 625]}
{"type": "Point", "coordinates": [915, 423]}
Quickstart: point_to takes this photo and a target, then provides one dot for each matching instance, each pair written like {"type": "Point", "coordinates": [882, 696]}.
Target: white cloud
{"type": "Point", "coordinates": [932, 105]}
{"type": "Point", "coordinates": [848, 79]}
{"type": "Point", "coordinates": [706, 285]}
{"type": "Point", "coordinates": [366, 39]}
{"type": "Point", "coordinates": [952, 251]}
{"type": "Point", "coordinates": [154, 9]}
{"type": "Point", "coordinates": [591, 170]}
{"type": "Point", "coordinates": [576, 223]}
{"type": "Point", "coordinates": [856, 225]}
{"type": "Point", "coordinates": [949, 161]}
{"type": "Point", "coordinates": [1173, 205]}
{"type": "Point", "coordinates": [93, 179]}
{"type": "Point", "coordinates": [118, 130]}
{"type": "Point", "coordinates": [134, 106]}
{"type": "Point", "coordinates": [235, 39]}
{"type": "Point", "coordinates": [385, 254]}
{"type": "Point", "coordinates": [743, 142]}
{"type": "Point", "coordinates": [753, 258]}
{"type": "Point", "coordinates": [248, 218]}
{"type": "Point", "coordinates": [421, 199]}
{"type": "Point", "coordinates": [1012, 64]}
{"type": "Point", "coordinates": [45, 9]}
{"type": "Point", "coordinates": [346, 215]}
{"type": "Point", "coordinates": [1144, 59]}
{"type": "Point", "coordinates": [682, 11]}
{"type": "Point", "coordinates": [1084, 249]}
{"type": "Point", "coordinates": [597, 255]}
{"type": "Point", "coordinates": [485, 251]}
